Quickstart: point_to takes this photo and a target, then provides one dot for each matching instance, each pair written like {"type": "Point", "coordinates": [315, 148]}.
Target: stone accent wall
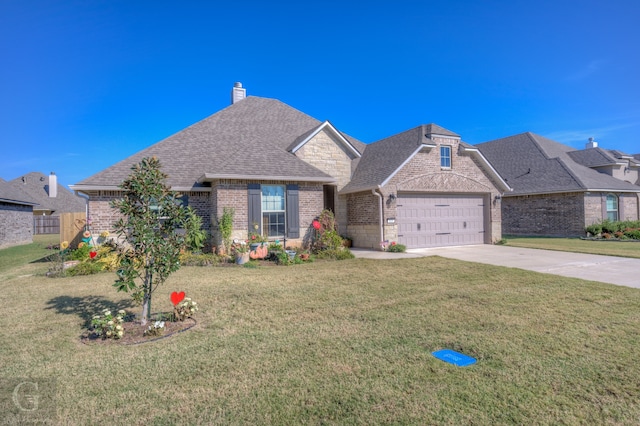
{"type": "Point", "coordinates": [423, 173]}
{"type": "Point", "coordinates": [325, 152]}
{"type": "Point", "coordinates": [561, 215]}
{"type": "Point", "coordinates": [16, 224]}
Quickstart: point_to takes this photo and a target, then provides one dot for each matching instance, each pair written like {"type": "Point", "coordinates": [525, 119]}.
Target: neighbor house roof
{"type": "Point", "coordinates": [384, 158]}
{"type": "Point", "coordinates": [36, 185]}
{"type": "Point", "coordinates": [251, 139]}
{"type": "Point", "coordinates": [533, 164]}
{"type": "Point", "coordinates": [10, 194]}
{"type": "Point", "coordinates": [597, 157]}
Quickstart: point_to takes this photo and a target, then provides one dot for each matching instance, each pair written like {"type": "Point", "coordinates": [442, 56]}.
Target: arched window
{"type": "Point", "coordinates": [612, 207]}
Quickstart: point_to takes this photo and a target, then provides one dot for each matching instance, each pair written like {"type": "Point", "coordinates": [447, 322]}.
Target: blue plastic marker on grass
{"type": "Point", "coordinates": [453, 357]}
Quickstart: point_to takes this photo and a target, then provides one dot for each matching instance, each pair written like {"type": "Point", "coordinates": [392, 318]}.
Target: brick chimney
{"type": "Point", "coordinates": [53, 185]}
{"type": "Point", "coordinates": [238, 93]}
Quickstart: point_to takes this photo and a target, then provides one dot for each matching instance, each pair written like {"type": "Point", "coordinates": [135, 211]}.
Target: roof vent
{"type": "Point", "coordinates": [238, 93]}
{"type": "Point", "coordinates": [591, 144]}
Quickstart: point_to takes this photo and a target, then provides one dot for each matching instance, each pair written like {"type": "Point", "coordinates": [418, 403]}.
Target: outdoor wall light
{"type": "Point", "coordinates": [392, 197]}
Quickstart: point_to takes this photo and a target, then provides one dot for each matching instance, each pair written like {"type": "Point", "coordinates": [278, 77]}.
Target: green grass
{"type": "Point", "coordinates": [17, 256]}
{"type": "Point", "coordinates": [604, 247]}
{"type": "Point", "coordinates": [338, 343]}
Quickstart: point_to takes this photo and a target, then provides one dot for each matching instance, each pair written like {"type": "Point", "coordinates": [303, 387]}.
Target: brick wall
{"type": "Point", "coordinates": [16, 224]}
{"type": "Point", "coordinates": [363, 220]}
{"type": "Point", "coordinates": [551, 214]}
{"type": "Point", "coordinates": [628, 206]}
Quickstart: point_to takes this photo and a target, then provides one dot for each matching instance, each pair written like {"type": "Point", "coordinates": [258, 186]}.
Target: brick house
{"type": "Point", "coordinates": [52, 197]}
{"type": "Point", "coordinates": [558, 190]}
{"type": "Point", "coordinates": [278, 168]}
{"type": "Point", "coordinates": [16, 216]}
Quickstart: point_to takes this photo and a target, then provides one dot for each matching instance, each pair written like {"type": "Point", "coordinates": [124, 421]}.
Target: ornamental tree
{"type": "Point", "coordinates": [151, 215]}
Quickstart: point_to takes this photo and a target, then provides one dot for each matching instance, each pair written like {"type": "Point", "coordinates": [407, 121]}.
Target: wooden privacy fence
{"type": "Point", "coordinates": [72, 226]}
{"type": "Point", "coordinates": [46, 225]}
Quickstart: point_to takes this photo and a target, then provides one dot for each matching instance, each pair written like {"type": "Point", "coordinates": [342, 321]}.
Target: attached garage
{"type": "Point", "coordinates": [428, 220]}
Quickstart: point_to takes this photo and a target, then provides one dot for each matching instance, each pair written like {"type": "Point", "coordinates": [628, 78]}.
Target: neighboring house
{"type": "Point", "coordinates": [558, 190]}
{"type": "Point", "coordinates": [53, 198]}
{"type": "Point", "coordinates": [16, 216]}
{"type": "Point", "coordinates": [278, 168]}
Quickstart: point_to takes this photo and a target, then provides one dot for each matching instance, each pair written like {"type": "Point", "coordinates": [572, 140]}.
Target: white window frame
{"type": "Point", "coordinates": [270, 211]}
{"type": "Point", "coordinates": [613, 211]}
{"type": "Point", "coordinates": [445, 149]}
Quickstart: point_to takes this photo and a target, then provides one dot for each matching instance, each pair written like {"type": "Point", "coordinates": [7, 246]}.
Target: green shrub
{"type": "Point", "coordinates": [342, 253]}
{"type": "Point", "coordinates": [81, 253]}
{"type": "Point", "coordinates": [632, 233]}
{"type": "Point", "coordinates": [594, 230]}
{"type": "Point", "coordinates": [199, 259]}
{"type": "Point", "coordinates": [397, 248]}
{"type": "Point", "coordinates": [84, 268]}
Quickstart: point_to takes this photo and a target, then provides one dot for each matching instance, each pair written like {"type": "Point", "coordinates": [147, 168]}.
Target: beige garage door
{"type": "Point", "coordinates": [426, 220]}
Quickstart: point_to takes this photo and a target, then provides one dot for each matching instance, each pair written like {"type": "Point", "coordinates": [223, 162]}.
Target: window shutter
{"type": "Point", "coordinates": [293, 214]}
{"type": "Point", "coordinates": [255, 206]}
{"type": "Point", "coordinates": [604, 206]}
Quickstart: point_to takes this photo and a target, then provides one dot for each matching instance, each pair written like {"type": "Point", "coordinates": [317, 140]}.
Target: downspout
{"type": "Point", "coordinates": [380, 220]}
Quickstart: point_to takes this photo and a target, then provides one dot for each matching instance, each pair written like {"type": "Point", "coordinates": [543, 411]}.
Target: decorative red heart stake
{"type": "Point", "coordinates": [92, 254]}
{"type": "Point", "coordinates": [177, 297]}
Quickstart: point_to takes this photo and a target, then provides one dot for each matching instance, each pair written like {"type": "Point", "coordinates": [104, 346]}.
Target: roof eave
{"type": "Point", "coordinates": [568, 190]}
{"type": "Point", "coordinates": [209, 177]}
{"type": "Point", "coordinates": [335, 131]}
{"type": "Point", "coordinates": [23, 203]}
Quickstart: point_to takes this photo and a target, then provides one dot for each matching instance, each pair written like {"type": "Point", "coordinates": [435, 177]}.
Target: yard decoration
{"type": "Point", "coordinates": [150, 217]}
{"type": "Point", "coordinates": [177, 297]}
{"type": "Point", "coordinates": [93, 254]}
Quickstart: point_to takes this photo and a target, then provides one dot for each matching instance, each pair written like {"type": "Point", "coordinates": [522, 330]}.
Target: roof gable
{"type": "Point", "coordinates": [306, 137]}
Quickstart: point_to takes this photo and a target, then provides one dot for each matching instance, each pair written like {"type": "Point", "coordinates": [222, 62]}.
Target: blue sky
{"type": "Point", "coordinates": [84, 84]}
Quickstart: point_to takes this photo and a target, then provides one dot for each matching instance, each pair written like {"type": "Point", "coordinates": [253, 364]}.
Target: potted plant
{"type": "Point", "coordinates": [241, 250]}
{"type": "Point", "coordinates": [347, 241]}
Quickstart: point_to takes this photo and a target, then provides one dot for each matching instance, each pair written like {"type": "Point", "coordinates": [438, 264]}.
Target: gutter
{"type": "Point", "coordinates": [378, 194]}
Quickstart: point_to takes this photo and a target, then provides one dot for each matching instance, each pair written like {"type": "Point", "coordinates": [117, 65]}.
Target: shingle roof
{"type": "Point", "coordinates": [384, 157]}
{"type": "Point", "coordinates": [533, 164]}
{"type": "Point", "coordinates": [35, 184]}
{"type": "Point", "coordinates": [249, 138]}
{"type": "Point", "coordinates": [12, 195]}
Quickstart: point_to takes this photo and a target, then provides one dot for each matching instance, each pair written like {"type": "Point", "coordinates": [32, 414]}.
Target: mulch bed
{"type": "Point", "coordinates": [134, 333]}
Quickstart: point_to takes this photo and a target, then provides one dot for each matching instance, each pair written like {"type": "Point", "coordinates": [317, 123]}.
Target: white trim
{"type": "Point", "coordinates": [335, 131]}
{"type": "Point", "coordinates": [404, 163]}
{"type": "Point", "coordinates": [82, 188]}
{"type": "Point", "coordinates": [207, 177]}
{"type": "Point", "coordinates": [493, 171]}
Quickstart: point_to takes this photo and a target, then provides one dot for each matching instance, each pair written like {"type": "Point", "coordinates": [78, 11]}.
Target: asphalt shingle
{"type": "Point", "coordinates": [533, 164]}
{"type": "Point", "coordinates": [249, 138]}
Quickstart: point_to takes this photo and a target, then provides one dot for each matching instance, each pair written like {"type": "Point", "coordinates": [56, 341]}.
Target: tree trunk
{"type": "Point", "coordinates": [146, 300]}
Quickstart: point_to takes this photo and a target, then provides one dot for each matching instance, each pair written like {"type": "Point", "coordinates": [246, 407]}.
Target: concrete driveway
{"type": "Point", "coordinates": [606, 269]}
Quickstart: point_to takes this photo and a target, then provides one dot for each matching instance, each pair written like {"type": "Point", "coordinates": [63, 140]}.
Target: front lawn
{"type": "Point", "coordinates": [629, 248]}
{"type": "Point", "coordinates": [347, 342]}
